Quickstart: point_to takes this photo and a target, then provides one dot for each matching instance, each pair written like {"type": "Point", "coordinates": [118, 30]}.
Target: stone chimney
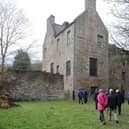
{"type": "Point", "coordinates": [50, 23]}
{"type": "Point", "coordinates": [51, 19]}
{"type": "Point", "coordinates": [90, 6]}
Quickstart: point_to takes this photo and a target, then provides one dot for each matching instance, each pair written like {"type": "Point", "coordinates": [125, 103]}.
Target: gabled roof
{"type": "Point", "coordinates": [60, 28]}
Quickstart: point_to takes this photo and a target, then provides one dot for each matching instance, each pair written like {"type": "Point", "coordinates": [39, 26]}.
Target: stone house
{"type": "Point", "coordinates": [78, 50]}
{"type": "Point", "coordinates": [118, 68]}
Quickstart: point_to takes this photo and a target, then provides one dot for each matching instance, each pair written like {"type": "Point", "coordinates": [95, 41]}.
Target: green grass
{"type": "Point", "coordinates": [58, 115]}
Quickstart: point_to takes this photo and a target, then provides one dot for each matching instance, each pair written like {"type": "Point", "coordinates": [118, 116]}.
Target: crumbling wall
{"type": "Point", "coordinates": [33, 86]}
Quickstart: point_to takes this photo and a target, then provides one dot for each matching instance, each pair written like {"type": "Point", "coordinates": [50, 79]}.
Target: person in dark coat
{"type": "Point", "coordinates": [120, 100]}
{"type": "Point", "coordinates": [85, 96]}
{"type": "Point", "coordinates": [80, 96]}
{"type": "Point", "coordinates": [112, 105]}
{"type": "Point", "coordinates": [107, 92]}
{"type": "Point", "coordinates": [95, 98]}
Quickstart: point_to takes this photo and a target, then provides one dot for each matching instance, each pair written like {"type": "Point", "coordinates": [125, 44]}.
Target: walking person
{"type": "Point", "coordinates": [85, 96]}
{"type": "Point", "coordinates": [120, 100]}
{"type": "Point", "coordinates": [95, 98]}
{"type": "Point", "coordinates": [112, 104]}
{"type": "Point", "coordinates": [128, 97]}
{"type": "Point", "coordinates": [80, 96]}
{"type": "Point", "coordinates": [102, 103]}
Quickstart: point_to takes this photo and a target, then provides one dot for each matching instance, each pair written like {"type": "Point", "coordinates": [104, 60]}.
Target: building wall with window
{"type": "Point", "coordinates": [58, 51]}
{"type": "Point", "coordinates": [91, 52]}
{"type": "Point", "coordinates": [78, 50]}
{"type": "Point", "coordinates": [118, 68]}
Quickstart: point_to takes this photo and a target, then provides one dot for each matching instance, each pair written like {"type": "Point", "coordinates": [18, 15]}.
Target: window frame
{"type": "Point", "coordinates": [68, 37]}
{"type": "Point", "coordinates": [100, 39]}
{"type": "Point", "coordinates": [52, 68]}
{"type": "Point", "coordinates": [57, 44]}
{"type": "Point", "coordinates": [123, 75]}
{"type": "Point", "coordinates": [57, 68]}
{"type": "Point", "coordinates": [68, 68]}
{"type": "Point", "coordinates": [93, 67]}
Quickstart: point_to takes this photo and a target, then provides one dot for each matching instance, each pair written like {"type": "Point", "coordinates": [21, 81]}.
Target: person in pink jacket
{"type": "Point", "coordinates": [102, 103]}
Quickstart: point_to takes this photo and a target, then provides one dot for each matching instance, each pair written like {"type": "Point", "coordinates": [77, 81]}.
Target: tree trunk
{"type": "Point", "coordinates": [2, 67]}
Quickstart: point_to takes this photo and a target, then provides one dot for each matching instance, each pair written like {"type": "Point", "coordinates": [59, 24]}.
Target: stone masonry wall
{"type": "Point", "coordinates": [59, 53]}
{"type": "Point", "coordinates": [118, 63]}
{"type": "Point", "coordinates": [87, 28]}
{"type": "Point", "coordinates": [34, 86]}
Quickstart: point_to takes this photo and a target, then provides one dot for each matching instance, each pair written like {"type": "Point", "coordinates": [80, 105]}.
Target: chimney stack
{"type": "Point", "coordinates": [90, 6]}
{"type": "Point", "coordinates": [51, 19]}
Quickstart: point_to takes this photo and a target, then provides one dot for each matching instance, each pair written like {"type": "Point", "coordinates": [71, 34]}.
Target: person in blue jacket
{"type": "Point", "coordinates": [80, 96]}
{"type": "Point", "coordinates": [128, 97]}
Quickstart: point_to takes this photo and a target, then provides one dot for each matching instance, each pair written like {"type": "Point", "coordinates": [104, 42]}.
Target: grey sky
{"type": "Point", "coordinates": [64, 10]}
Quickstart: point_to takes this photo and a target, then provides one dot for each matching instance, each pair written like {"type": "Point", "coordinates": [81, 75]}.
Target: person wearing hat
{"type": "Point", "coordinates": [102, 103]}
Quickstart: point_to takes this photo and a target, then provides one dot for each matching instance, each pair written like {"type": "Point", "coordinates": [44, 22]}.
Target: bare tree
{"type": "Point", "coordinates": [12, 28]}
{"type": "Point", "coordinates": [120, 30]}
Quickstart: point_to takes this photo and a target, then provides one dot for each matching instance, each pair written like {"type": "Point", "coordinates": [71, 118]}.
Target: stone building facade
{"type": "Point", "coordinates": [119, 68]}
{"type": "Point", "coordinates": [78, 50]}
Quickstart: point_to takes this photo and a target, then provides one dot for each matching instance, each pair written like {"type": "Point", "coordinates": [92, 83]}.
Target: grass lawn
{"type": "Point", "coordinates": [58, 115]}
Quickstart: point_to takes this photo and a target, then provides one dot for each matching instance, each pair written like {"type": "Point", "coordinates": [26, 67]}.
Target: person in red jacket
{"type": "Point", "coordinates": [102, 103]}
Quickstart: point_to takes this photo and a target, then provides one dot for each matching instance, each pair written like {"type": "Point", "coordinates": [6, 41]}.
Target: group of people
{"type": "Point", "coordinates": [82, 96]}
{"type": "Point", "coordinates": [112, 100]}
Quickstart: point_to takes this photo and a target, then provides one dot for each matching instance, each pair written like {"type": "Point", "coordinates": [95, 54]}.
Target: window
{"type": "Point", "coordinates": [52, 68]}
{"type": "Point", "coordinates": [93, 67]}
{"type": "Point", "coordinates": [123, 76]}
{"type": "Point", "coordinates": [68, 68]}
{"type": "Point", "coordinates": [123, 63]}
{"type": "Point", "coordinates": [58, 40]}
{"type": "Point", "coordinates": [68, 37]}
{"type": "Point", "coordinates": [44, 52]}
{"type": "Point", "coordinates": [100, 39]}
{"type": "Point", "coordinates": [57, 69]}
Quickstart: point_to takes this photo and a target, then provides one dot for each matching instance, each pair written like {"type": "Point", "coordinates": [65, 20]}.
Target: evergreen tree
{"type": "Point", "coordinates": [22, 61]}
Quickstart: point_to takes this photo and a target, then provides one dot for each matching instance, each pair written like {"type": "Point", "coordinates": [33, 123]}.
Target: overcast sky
{"type": "Point", "coordinates": [37, 11]}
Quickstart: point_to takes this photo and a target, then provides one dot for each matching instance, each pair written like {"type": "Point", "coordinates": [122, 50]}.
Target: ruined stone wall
{"type": "Point", "coordinates": [34, 86]}
{"type": "Point", "coordinates": [118, 63]}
